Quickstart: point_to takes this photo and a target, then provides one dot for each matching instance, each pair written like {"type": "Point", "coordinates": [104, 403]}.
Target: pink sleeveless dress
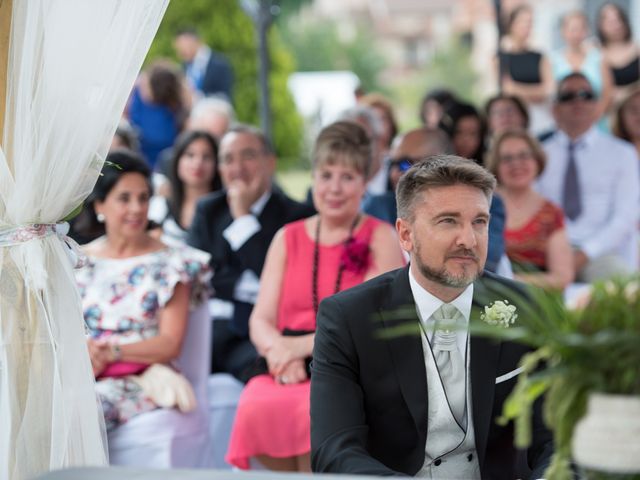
{"type": "Point", "coordinates": [273, 419]}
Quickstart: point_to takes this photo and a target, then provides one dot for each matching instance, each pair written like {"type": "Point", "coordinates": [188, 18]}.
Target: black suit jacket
{"type": "Point", "coordinates": [212, 217]}
{"type": "Point", "coordinates": [218, 77]}
{"type": "Point", "coordinates": [369, 394]}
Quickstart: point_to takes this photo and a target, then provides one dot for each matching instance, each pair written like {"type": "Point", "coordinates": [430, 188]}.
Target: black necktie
{"type": "Point", "coordinates": [571, 199]}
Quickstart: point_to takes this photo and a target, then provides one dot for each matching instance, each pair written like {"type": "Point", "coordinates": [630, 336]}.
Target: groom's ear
{"type": "Point", "coordinates": [403, 227]}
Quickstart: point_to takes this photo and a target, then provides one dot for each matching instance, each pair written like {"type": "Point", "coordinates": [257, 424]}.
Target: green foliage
{"type": "Point", "coordinates": [227, 29]}
{"type": "Point", "coordinates": [289, 8]}
{"type": "Point", "coordinates": [318, 45]}
{"type": "Point", "coordinates": [591, 349]}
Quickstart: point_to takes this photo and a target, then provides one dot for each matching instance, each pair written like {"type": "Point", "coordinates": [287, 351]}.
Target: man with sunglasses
{"type": "Point", "coordinates": [595, 178]}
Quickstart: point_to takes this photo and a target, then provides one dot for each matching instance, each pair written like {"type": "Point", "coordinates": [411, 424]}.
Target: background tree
{"type": "Point", "coordinates": [227, 29]}
{"type": "Point", "coordinates": [321, 45]}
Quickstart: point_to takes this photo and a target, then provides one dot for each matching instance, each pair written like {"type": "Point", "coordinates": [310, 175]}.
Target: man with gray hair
{"type": "Point", "coordinates": [422, 404]}
{"type": "Point", "coordinates": [368, 119]}
{"type": "Point", "coordinates": [212, 114]}
{"type": "Point", "coordinates": [236, 226]}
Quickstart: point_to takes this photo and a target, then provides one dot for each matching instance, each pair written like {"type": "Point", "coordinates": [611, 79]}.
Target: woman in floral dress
{"type": "Point", "coordinates": [135, 290]}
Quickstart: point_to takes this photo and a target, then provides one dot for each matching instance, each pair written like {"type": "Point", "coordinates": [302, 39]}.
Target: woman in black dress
{"type": "Point", "coordinates": [525, 72]}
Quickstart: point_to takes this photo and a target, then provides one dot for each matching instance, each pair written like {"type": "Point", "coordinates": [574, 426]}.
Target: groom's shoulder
{"type": "Point", "coordinates": [498, 287]}
{"type": "Point", "coordinates": [376, 288]}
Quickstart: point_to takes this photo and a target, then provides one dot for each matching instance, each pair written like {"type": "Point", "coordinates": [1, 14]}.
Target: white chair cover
{"type": "Point", "coordinates": [167, 438]}
{"type": "Point", "coordinates": [70, 69]}
{"type": "Point", "coordinates": [224, 393]}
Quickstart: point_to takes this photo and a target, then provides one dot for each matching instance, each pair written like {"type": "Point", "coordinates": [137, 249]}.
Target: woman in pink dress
{"type": "Point", "coordinates": [308, 260]}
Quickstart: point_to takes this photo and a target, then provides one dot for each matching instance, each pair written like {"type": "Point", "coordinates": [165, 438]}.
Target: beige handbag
{"type": "Point", "coordinates": [166, 387]}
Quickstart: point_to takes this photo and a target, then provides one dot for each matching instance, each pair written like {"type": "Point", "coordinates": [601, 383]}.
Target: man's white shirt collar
{"type": "Point", "coordinates": [427, 304]}
{"type": "Point", "coordinates": [583, 140]}
{"type": "Point", "coordinates": [259, 204]}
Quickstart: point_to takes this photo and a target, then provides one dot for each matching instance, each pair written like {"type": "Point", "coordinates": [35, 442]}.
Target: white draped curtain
{"type": "Point", "coordinates": [71, 66]}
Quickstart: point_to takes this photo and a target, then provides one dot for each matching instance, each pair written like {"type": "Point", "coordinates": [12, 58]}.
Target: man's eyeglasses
{"type": "Point", "coordinates": [570, 96]}
{"type": "Point", "coordinates": [403, 163]}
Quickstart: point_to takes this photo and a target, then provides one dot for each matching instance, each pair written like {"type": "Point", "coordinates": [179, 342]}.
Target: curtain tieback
{"type": "Point", "coordinates": [13, 236]}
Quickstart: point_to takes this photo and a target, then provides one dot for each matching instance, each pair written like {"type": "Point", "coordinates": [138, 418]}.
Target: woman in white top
{"type": "Point", "coordinates": [578, 55]}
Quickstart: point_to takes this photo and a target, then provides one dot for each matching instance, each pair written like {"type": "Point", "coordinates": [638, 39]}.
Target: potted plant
{"type": "Point", "coordinates": [586, 361]}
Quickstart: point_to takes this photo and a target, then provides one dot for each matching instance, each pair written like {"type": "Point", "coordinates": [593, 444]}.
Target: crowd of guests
{"type": "Point", "coordinates": [187, 204]}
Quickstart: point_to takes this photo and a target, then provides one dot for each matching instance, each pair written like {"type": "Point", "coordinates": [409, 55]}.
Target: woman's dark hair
{"type": "Point", "coordinates": [515, 100]}
{"type": "Point", "coordinates": [441, 96]}
{"type": "Point", "coordinates": [451, 118]}
{"type": "Point", "coordinates": [165, 82]}
{"type": "Point", "coordinates": [118, 163]}
{"type": "Point", "coordinates": [624, 18]}
{"type": "Point", "coordinates": [177, 187]}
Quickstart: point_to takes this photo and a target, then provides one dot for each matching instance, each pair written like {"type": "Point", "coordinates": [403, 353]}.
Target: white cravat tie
{"type": "Point", "coordinates": [448, 358]}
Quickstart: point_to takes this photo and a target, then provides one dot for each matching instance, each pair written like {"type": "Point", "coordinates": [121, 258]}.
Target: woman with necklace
{"type": "Point", "coordinates": [535, 236]}
{"type": "Point", "coordinates": [308, 260]}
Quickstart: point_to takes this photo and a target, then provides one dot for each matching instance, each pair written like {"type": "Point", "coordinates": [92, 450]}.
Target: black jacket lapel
{"type": "Point", "coordinates": [406, 348]}
{"type": "Point", "coordinates": [485, 354]}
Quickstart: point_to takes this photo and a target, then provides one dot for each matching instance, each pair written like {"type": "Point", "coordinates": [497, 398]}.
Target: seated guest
{"type": "Point", "coordinates": [194, 174]}
{"type": "Point", "coordinates": [212, 115]}
{"type": "Point", "coordinates": [523, 71]}
{"type": "Point", "coordinates": [579, 55]}
{"type": "Point", "coordinates": [135, 294]}
{"type": "Point", "coordinates": [466, 129]}
{"type": "Point", "coordinates": [308, 260]}
{"type": "Point", "coordinates": [398, 386]}
{"type": "Point", "coordinates": [384, 109]}
{"type": "Point", "coordinates": [535, 237]}
{"type": "Point", "coordinates": [433, 105]}
{"type": "Point", "coordinates": [236, 225]}
{"type": "Point", "coordinates": [626, 123]}
{"type": "Point", "coordinates": [369, 119]}
{"type": "Point", "coordinates": [595, 178]}
{"type": "Point", "coordinates": [505, 112]}
{"type": "Point", "coordinates": [125, 137]}
{"type": "Point", "coordinates": [619, 49]}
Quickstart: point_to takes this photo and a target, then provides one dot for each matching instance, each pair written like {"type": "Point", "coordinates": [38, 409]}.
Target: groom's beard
{"type": "Point", "coordinates": [445, 277]}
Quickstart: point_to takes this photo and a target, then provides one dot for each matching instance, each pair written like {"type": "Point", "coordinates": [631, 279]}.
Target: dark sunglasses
{"type": "Point", "coordinates": [403, 163]}
{"type": "Point", "coordinates": [566, 97]}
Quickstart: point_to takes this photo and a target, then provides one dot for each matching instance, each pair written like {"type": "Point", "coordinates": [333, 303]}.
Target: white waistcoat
{"type": "Point", "coordinates": [450, 452]}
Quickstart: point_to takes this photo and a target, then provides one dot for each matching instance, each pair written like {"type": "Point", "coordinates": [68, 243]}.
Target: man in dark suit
{"type": "Point", "coordinates": [207, 71]}
{"type": "Point", "coordinates": [397, 385]}
{"type": "Point", "coordinates": [236, 226]}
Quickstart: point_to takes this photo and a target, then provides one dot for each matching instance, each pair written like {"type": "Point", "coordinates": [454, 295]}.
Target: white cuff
{"type": "Point", "coordinates": [241, 230]}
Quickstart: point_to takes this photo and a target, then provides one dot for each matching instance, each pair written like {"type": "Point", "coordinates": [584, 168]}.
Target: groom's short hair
{"type": "Point", "coordinates": [440, 171]}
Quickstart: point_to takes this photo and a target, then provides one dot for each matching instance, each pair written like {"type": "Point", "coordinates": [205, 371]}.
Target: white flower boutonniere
{"type": "Point", "coordinates": [500, 313]}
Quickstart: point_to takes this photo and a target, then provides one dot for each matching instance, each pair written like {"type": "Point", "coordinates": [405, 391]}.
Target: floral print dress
{"type": "Point", "coordinates": [121, 301]}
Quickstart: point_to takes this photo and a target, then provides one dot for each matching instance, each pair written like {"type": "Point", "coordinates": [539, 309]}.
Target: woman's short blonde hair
{"type": "Point", "coordinates": [345, 143]}
{"type": "Point", "coordinates": [492, 160]}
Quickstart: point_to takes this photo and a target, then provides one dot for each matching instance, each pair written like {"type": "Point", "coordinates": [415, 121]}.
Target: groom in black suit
{"type": "Point", "coordinates": [382, 400]}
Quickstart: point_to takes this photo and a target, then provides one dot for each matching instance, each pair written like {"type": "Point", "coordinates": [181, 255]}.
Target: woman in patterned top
{"type": "Point", "coordinates": [535, 237]}
{"type": "Point", "coordinates": [135, 290]}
